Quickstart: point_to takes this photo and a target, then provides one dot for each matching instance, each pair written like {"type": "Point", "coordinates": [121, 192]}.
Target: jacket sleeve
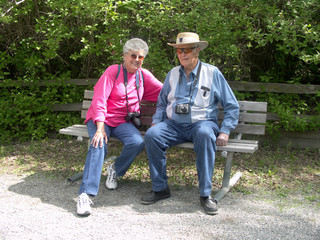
{"type": "Point", "coordinates": [102, 91]}
{"type": "Point", "coordinates": [162, 102]}
{"type": "Point", "coordinates": [228, 102]}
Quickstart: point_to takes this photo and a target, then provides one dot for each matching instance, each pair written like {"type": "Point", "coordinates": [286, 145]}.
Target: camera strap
{"type": "Point", "coordinates": [194, 82]}
{"type": "Point", "coordinates": [125, 77]}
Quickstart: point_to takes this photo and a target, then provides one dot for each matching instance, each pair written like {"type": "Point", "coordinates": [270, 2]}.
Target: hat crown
{"type": "Point", "coordinates": [187, 37]}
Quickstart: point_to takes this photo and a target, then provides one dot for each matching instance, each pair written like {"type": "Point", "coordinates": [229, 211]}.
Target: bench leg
{"type": "Point", "coordinates": [227, 183]}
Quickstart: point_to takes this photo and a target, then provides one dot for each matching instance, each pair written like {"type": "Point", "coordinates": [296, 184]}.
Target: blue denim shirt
{"type": "Point", "coordinates": [210, 89]}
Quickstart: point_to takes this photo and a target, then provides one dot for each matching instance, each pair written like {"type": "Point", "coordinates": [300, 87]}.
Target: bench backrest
{"type": "Point", "coordinates": [252, 118]}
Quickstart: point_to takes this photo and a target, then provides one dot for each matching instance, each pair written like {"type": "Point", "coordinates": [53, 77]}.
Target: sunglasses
{"type": "Point", "coordinates": [134, 56]}
{"type": "Point", "coordinates": [185, 50]}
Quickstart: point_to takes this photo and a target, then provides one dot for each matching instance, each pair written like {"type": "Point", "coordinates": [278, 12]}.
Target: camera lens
{"type": "Point", "coordinates": [136, 121]}
{"type": "Point", "coordinates": [129, 117]}
{"type": "Point", "coordinates": [184, 109]}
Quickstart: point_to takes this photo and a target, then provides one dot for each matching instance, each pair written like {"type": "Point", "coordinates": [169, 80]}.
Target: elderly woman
{"type": "Point", "coordinates": [187, 110]}
{"type": "Point", "coordinates": [115, 112]}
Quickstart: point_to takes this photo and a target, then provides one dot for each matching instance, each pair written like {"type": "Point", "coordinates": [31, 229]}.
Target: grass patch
{"type": "Point", "coordinates": [278, 172]}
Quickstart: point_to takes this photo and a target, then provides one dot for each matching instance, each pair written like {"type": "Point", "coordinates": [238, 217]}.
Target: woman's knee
{"type": "Point", "coordinates": [137, 141]}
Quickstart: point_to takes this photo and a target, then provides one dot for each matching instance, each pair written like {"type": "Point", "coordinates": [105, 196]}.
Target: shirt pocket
{"type": "Point", "coordinates": [203, 97]}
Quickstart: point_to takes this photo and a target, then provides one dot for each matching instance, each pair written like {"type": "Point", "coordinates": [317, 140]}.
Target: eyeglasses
{"type": "Point", "coordinates": [134, 56]}
{"type": "Point", "coordinates": [185, 50]}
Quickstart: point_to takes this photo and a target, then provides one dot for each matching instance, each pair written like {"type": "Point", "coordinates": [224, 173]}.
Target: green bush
{"type": "Point", "coordinates": [48, 40]}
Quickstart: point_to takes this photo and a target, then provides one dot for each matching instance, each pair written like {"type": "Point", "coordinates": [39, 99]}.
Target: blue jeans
{"type": "Point", "coordinates": [133, 143]}
{"type": "Point", "coordinates": [169, 133]}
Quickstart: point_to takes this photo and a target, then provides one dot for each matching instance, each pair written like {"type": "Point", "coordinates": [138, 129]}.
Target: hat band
{"type": "Point", "coordinates": [186, 40]}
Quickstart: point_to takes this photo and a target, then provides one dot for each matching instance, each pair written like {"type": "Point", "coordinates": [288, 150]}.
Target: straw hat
{"type": "Point", "coordinates": [188, 39]}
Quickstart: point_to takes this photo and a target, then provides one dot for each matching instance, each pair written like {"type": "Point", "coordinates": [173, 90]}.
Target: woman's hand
{"type": "Point", "coordinates": [99, 136]}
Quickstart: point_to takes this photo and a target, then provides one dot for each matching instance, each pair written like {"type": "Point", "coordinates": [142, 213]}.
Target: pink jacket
{"type": "Point", "coordinates": [109, 100]}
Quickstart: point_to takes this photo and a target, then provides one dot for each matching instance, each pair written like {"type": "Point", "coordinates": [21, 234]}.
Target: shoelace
{"type": "Point", "coordinates": [112, 176]}
{"type": "Point", "coordinates": [84, 200]}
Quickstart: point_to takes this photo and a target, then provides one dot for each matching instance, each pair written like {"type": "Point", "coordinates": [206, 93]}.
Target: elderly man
{"type": "Point", "coordinates": [187, 111]}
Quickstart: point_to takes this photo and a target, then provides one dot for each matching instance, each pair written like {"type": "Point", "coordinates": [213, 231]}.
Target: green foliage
{"type": "Point", "coordinates": [263, 41]}
{"type": "Point", "coordinates": [26, 111]}
{"type": "Point", "coordinates": [295, 112]}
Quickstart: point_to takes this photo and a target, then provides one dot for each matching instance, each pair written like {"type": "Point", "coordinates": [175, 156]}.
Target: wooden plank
{"type": "Point", "coordinates": [235, 85]}
{"type": "Point", "coordinates": [148, 109]}
{"type": "Point", "coordinates": [308, 139]}
{"type": "Point", "coordinates": [86, 104]}
{"type": "Point", "coordinates": [243, 86]}
{"type": "Point", "coordinates": [88, 94]}
{"type": "Point", "coordinates": [84, 113]}
{"type": "Point", "coordinates": [146, 120]}
{"type": "Point", "coordinates": [75, 131]}
{"type": "Point", "coordinates": [231, 147]}
{"type": "Point", "coordinates": [248, 117]}
{"type": "Point", "coordinates": [83, 82]}
{"type": "Point", "coordinates": [250, 106]}
{"type": "Point", "coordinates": [250, 129]}
{"type": "Point", "coordinates": [274, 87]}
{"type": "Point", "coordinates": [244, 146]}
{"type": "Point", "coordinates": [253, 106]}
{"type": "Point", "coordinates": [67, 107]}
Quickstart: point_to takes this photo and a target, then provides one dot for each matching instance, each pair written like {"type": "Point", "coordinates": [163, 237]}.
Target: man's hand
{"type": "Point", "coordinates": [222, 139]}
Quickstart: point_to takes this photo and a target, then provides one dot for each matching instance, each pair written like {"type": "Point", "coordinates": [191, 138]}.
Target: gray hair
{"type": "Point", "coordinates": [136, 44]}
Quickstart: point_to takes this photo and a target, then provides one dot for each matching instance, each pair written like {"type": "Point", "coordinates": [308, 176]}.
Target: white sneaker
{"type": "Point", "coordinates": [111, 182]}
{"type": "Point", "coordinates": [83, 205]}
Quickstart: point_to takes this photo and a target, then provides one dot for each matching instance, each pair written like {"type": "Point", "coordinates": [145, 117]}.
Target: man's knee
{"type": "Point", "coordinates": [205, 134]}
{"type": "Point", "coordinates": [151, 134]}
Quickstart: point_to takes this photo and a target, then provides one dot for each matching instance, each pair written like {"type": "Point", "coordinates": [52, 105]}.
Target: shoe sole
{"type": "Point", "coordinates": [110, 188]}
{"type": "Point", "coordinates": [84, 214]}
{"type": "Point", "coordinates": [209, 211]}
{"type": "Point", "coordinates": [149, 202]}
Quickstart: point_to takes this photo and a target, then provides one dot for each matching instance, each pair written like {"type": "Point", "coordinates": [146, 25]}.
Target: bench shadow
{"type": "Point", "coordinates": [63, 194]}
{"type": "Point", "coordinates": [238, 211]}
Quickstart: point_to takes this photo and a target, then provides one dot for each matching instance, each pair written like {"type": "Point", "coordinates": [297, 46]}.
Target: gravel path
{"type": "Point", "coordinates": [36, 207]}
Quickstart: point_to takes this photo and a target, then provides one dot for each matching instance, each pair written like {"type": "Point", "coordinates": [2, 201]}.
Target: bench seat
{"type": "Point", "coordinates": [234, 145]}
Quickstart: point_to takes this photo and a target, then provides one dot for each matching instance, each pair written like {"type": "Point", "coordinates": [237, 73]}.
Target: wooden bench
{"type": "Point", "coordinates": [252, 121]}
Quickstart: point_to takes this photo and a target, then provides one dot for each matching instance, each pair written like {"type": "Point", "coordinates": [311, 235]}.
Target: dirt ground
{"type": "Point", "coordinates": [39, 207]}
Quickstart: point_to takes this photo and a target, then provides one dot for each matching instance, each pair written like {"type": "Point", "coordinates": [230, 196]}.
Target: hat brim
{"type": "Point", "coordinates": [201, 44]}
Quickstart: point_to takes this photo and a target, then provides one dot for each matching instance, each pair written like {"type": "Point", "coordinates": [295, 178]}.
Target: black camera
{"type": "Point", "coordinates": [135, 118]}
{"type": "Point", "coordinates": [182, 108]}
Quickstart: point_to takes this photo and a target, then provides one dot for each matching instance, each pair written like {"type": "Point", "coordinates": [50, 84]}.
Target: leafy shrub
{"type": "Point", "coordinates": [48, 40]}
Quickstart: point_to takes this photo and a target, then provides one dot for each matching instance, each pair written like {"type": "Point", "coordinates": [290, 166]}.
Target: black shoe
{"type": "Point", "coordinates": [210, 206]}
{"type": "Point", "coordinates": [153, 197]}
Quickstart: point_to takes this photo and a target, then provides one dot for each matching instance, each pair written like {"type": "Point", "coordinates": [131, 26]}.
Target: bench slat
{"type": "Point", "coordinates": [234, 145]}
{"type": "Point", "coordinates": [86, 104]}
{"type": "Point", "coordinates": [241, 128]}
{"type": "Point", "coordinates": [248, 117]}
{"type": "Point", "coordinates": [250, 129]}
{"type": "Point", "coordinates": [88, 94]}
{"type": "Point", "coordinates": [244, 105]}
{"type": "Point", "coordinates": [231, 147]}
{"type": "Point", "coordinates": [253, 106]}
